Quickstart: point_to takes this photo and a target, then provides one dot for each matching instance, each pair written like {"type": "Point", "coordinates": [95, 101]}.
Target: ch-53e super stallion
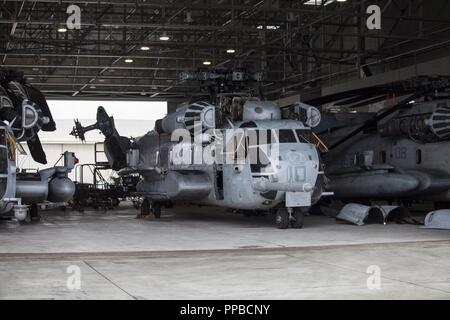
{"type": "Point", "coordinates": [399, 153]}
{"type": "Point", "coordinates": [232, 150]}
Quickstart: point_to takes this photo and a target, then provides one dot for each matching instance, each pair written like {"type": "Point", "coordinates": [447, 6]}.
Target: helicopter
{"type": "Point", "coordinates": [231, 150]}
{"type": "Point", "coordinates": [23, 113]}
{"type": "Point", "coordinates": [397, 154]}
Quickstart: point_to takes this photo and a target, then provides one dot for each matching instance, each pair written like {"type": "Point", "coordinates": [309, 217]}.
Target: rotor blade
{"type": "Point", "coordinates": [37, 97]}
{"type": "Point", "coordinates": [367, 102]}
{"type": "Point", "coordinates": [363, 92]}
{"type": "Point", "coordinates": [359, 98]}
{"type": "Point", "coordinates": [36, 150]}
{"type": "Point", "coordinates": [401, 87]}
{"type": "Point", "coordinates": [377, 118]}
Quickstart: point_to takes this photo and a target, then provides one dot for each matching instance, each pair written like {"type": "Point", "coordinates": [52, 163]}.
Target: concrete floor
{"type": "Point", "coordinates": [211, 254]}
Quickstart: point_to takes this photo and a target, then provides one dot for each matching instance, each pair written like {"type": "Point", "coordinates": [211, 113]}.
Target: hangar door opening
{"type": "Point", "coordinates": [132, 119]}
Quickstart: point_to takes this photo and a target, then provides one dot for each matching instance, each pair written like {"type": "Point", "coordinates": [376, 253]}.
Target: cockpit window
{"type": "Point", "coordinates": [286, 136]}
{"type": "Point", "coordinates": [304, 136]}
{"type": "Point", "coordinates": [258, 160]}
{"type": "Point", "coordinates": [258, 137]}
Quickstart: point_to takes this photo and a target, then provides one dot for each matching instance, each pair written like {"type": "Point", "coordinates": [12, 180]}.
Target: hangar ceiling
{"type": "Point", "coordinates": [135, 49]}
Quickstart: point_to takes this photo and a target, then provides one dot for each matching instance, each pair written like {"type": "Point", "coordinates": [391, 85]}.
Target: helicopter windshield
{"type": "Point", "coordinates": [260, 137]}
{"type": "Point", "coordinates": [286, 136]}
{"type": "Point", "coordinates": [304, 136]}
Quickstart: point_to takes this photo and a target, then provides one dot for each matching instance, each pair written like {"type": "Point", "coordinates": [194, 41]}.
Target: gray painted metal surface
{"type": "Point", "coordinates": [403, 160]}
{"type": "Point", "coordinates": [361, 214]}
{"type": "Point", "coordinates": [439, 219]}
{"type": "Point", "coordinates": [247, 171]}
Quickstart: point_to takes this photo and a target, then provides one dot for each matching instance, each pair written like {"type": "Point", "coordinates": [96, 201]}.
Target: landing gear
{"type": "Point", "coordinates": [149, 207]}
{"type": "Point", "coordinates": [297, 218]}
{"type": "Point", "coordinates": [289, 216]}
{"type": "Point", "coordinates": [34, 212]}
{"type": "Point", "coordinates": [156, 209]}
{"type": "Point", "coordinates": [145, 209]}
{"type": "Point", "coordinates": [282, 218]}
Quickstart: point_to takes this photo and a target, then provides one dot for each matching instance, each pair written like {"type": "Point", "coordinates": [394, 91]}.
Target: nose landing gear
{"type": "Point", "coordinates": [289, 216]}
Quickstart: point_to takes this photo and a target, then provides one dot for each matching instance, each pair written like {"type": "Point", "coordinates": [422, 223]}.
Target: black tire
{"type": "Point", "coordinates": [299, 218]}
{"type": "Point", "coordinates": [145, 207]}
{"type": "Point", "coordinates": [34, 212]}
{"type": "Point", "coordinates": [282, 218]}
{"type": "Point", "coordinates": [247, 213]}
{"type": "Point", "coordinates": [156, 209]}
{"type": "Point", "coordinates": [115, 202]}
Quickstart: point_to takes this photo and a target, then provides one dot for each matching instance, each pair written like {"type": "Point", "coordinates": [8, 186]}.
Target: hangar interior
{"type": "Point", "coordinates": [300, 45]}
{"type": "Point", "coordinates": [134, 51]}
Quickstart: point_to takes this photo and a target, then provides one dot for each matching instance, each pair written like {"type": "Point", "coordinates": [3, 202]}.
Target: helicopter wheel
{"type": "Point", "coordinates": [282, 218]}
{"type": "Point", "coordinates": [145, 209]}
{"type": "Point", "coordinates": [34, 214]}
{"type": "Point", "coordinates": [298, 219]}
{"type": "Point", "coordinates": [156, 209]}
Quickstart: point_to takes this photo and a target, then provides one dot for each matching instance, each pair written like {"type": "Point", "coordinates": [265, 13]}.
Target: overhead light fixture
{"type": "Point", "coordinates": [207, 63]}
{"type": "Point", "coordinates": [145, 48]}
{"type": "Point", "coordinates": [35, 69]}
{"type": "Point", "coordinates": [62, 29]}
{"type": "Point", "coordinates": [231, 50]}
{"type": "Point", "coordinates": [164, 37]}
{"type": "Point", "coordinates": [129, 60]}
{"type": "Point", "coordinates": [92, 87]}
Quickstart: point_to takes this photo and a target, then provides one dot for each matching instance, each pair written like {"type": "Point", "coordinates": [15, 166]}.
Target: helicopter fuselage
{"type": "Point", "coordinates": [407, 157]}
{"type": "Point", "coordinates": [242, 175]}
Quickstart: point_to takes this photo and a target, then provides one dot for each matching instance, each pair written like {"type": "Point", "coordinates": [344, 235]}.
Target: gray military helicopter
{"type": "Point", "coordinates": [23, 113]}
{"type": "Point", "coordinates": [400, 153]}
{"type": "Point", "coordinates": [230, 150]}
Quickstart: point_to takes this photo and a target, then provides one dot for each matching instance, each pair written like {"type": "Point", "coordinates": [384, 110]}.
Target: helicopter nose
{"type": "Point", "coordinates": [295, 157]}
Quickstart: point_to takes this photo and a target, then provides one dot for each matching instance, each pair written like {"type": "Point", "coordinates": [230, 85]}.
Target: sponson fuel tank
{"type": "Point", "coordinates": [50, 184]}
{"type": "Point", "coordinates": [177, 186]}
